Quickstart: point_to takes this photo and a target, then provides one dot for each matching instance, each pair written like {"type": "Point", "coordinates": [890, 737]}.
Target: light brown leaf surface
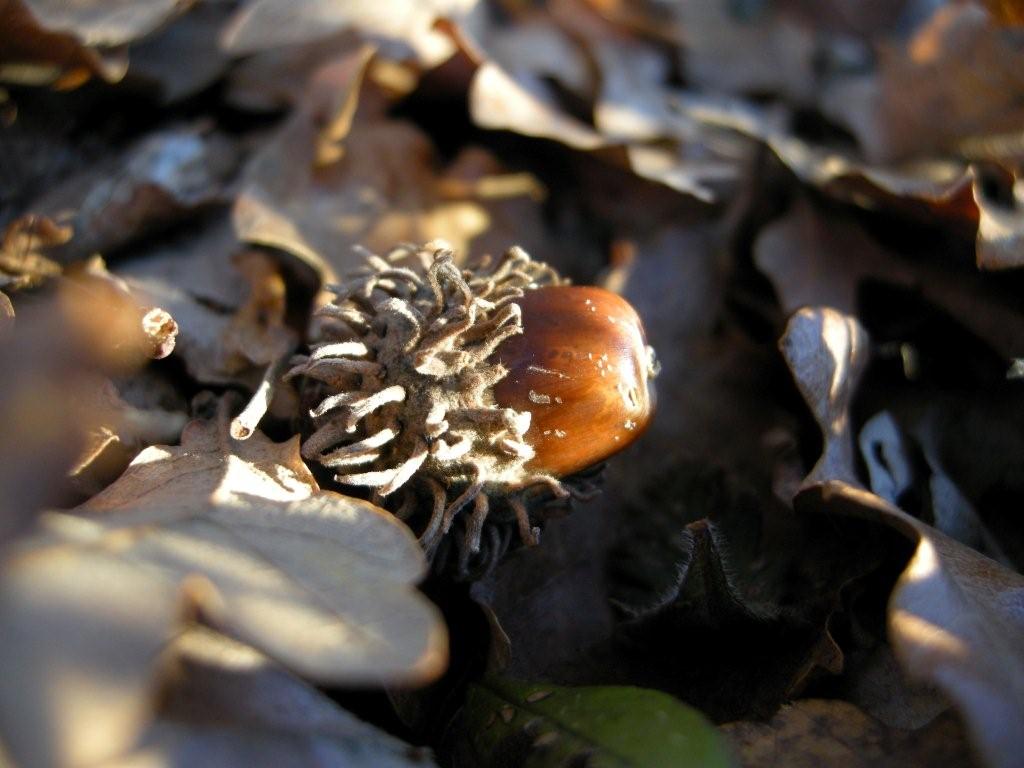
{"type": "Point", "coordinates": [959, 76]}
{"type": "Point", "coordinates": [220, 699]}
{"type": "Point", "coordinates": [315, 580]}
{"type": "Point", "coordinates": [954, 615]}
{"type": "Point", "coordinates": [954, 620]}
{"type": "Point", "coordinates": [263, 24]}
{"type": "Point", "coordinates": [817, 732]}
{"type": "Point", "coordinates": [827, 351]}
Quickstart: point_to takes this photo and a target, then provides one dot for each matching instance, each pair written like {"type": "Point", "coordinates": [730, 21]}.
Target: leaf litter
{"type": "Point", "coordinates": [814, 207]}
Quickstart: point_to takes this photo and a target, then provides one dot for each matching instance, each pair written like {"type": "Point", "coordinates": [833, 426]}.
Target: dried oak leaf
{"type": "Point", "coordinates": [827, 352]}
{"type": "Point", "coordinates": [316, 580]}
{"type": "Point", "coordinates": [35, 52]}
{"type": "Point", "coordinates": [954, 621]}
{"type": "Point", "coordinates": [407, 28]}
{"type": "Point", "coordinates": [958, 77]}
{"type": "Point", "coordinates": [163, 178]}
{"type": "Point", "coordinates": [223, 702]}
{"type": "Point", "coordinates": [334, 177]}
{"type": "Point", "coordinates": [954, 616]}
{"type": "Point", "coordinates": [814, 257]}
{"type": "Point", "coordinates": [814, 732]}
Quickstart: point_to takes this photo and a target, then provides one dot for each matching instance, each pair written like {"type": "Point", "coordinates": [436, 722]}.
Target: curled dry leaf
{"type": "Point", "coordinates": [953, 620]}
{"type": "Point", "coordinates": [230, 305]}
{"type": "Point", "coordinates": [220, 697]}
{"type": "Point", "coordinates": [815, 732]}
{"type": "Point", "coordinates": [826, 352]}
{"type": "Point", "coordinates": [958, 77]}
{"type": "Point", "coordinates": [814, 257]}
{"type": "Point", "coordinates": [315, 580]}
{"type": "Point", "coordinates": [23, 259]}
{"type": "Point", "coordinates": [120, 431]}
{"type": "Point", "coordinates": [36, 53]}
{"type": "Point", "coordinates": [263, 24]}
{"type": "Point", "coordinates": [165, 177]}
{"type": "Point", "coordinates": [954, 614]}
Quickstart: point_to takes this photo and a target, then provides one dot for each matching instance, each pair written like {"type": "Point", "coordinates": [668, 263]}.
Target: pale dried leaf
{"type": "Point", "coordinates": [954, 618]}
{"type": "Point", "coordinates": [263, 24]}
{"type": "Point", "coordinates": [165, 177]}
{"type": "Point", "coordinates": [225, 703]}
{"type": "Point", "coordinates": [497, 101]}
{"type": "Point", "coordinates": [107, 23]}
{"type": "Point", "coordinates": [316, 579]}
{"type": "Point", "coordinates": [959, 76]}
{"type": "Point", "coordinates": [81, 626]}
{"type": "Point", "coordinates": [815, 732]}
{"type": "Point", "coordinates": [826, 351]}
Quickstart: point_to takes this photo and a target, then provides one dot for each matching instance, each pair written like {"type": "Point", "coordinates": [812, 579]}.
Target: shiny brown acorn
{"type": "Point", "coordinates": [461, 397]}
{"type": "Point", "coordinates": [582, 368]}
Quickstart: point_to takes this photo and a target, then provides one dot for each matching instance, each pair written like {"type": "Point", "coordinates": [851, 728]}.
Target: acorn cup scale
{"type": "Point", "coordinates": [582, 369]}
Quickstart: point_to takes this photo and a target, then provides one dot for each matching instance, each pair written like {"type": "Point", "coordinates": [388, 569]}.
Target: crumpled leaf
{"type": "Point", "coordinates": [952, 620]}
{"type": "Point", "coordinates": [263, 24]}
{"type": "Point", "coordinates": [959, 76]}
{"type": "Point", "coordinates": [230, 304]}
{"type": "Point", "coordinates": [166, 176]}
{"type": "Point", "coordinates": [120, 431]}
{"type": "Point", "coordinates": [815, 732]}
{"type": "Point", "coordinates": [534, 724]}
{"type": "Point", "coordinates": [770, 53]}
{"type": "Point", "coordinates": [953, 611]}
{"type": "Point", "coordinates": [332, 179]}
{"type": "Point", "coordinates": [23, 260]}
{"type": "Point", "coordinates": [827, 352]}
{"type": "Point", "coordinates": [222, 700]}
{"type": "Point", "coordinates": [35, 52]}
{"type": "Point", "coordinates": [313, 579]}
{"type": "Point", "coordinates": [818, 258]}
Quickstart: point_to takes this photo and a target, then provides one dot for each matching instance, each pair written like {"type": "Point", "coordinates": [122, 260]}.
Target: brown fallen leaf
{"type": "Point", "coordinates": [262, 24]}
{"type": "Point", "coordinates": [959, 76]}
{"type": "Point", "coordinates": [953, 618]}
{"type": "Point", "coordinates": [954, 613]}
{"type": "Point", "coordinates": [819, 257]}
{"type": "Point", "coordinates": [163, 178]}
{"type": "Point", "coordinates": [35, 52]}
{"type": "Point", "coordinates": [220, 697]}
{"type": "Point", "coordinates": [23, 260]}
{"type": "Point", "coordinates": [119, 433]}
{"type": "Point", "coordinates": [313, 579]}
{"type": "Point", "coordinates": [815, 732]}
{"type": "Point", "coordinates": [827, 352]}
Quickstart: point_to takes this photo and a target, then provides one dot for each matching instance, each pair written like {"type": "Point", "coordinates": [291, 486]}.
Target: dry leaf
{"type": "Point", "coordinates": [959, 76]}
{"type": "Point", "coordinates": [827, 351]}
{"type": "Point", "coordinates": [316, 580]}
{"type": "Point", "coordinates": [165, 177]}
{"type": "Point", "coordinates": [35, 53]}
{"type": "Point", "coordinates": [221, 698]}
{"type": "Point", "coordinates": [815, 732]}
{"type": "Point", "coordinates": [263, 24]}
{"type": "Point", "coordinates": [953, 618]}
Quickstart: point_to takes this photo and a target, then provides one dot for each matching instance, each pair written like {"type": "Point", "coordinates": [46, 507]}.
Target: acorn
{"type": "Point", "coordinates": [463, 398]}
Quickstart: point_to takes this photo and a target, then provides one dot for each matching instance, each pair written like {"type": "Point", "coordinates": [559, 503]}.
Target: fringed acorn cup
{"type": "Point", "coordinates": [463, 399]}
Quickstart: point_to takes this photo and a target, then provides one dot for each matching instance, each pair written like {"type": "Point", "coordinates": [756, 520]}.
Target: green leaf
{"type": "Point", "coordinates": [534, 725]}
